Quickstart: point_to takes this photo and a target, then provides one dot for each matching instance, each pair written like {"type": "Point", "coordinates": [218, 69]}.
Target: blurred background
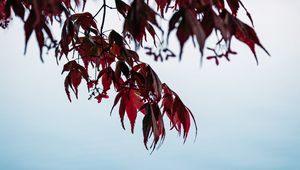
{"type": "Point", "coordinates": [248, 116]}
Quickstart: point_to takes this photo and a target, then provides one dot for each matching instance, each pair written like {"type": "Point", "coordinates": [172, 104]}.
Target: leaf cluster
{"type": "Point", "coordinates": [104, 60]}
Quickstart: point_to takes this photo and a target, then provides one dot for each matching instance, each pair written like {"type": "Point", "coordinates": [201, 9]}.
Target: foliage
{"type": "Point", "coordinates": [107, 53]}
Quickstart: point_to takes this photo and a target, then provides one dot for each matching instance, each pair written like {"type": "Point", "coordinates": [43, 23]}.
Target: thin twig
{"type": "Point", "coordinates": [104, 15]}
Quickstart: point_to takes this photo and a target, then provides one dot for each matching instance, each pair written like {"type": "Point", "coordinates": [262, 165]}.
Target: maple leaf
{"type": "Point", "coordinates": [234, 6]}
{"type": "Point", "coordinates": [39, 28]}
{"type": "Point", "coordinates": [177, 112]}
{"type": "Point", "coordinates": [130, 103]}
{"type": "Point", "coordinates": [153, 124]}
{"type": "Point", "coordinates": [162, 6]}
{"type": "Point", "coordinates": [188, 26]}
{"type": "Point", "coordinates": [243, 33]}
{"type": "Point", "coordinates": [16, 6]}
{"type": "Point", "coordinates": [73, 79]}
{"type": "Point", "coordinates": [122, 7]}
{"type": "Point", "coordinates": [139, 18]}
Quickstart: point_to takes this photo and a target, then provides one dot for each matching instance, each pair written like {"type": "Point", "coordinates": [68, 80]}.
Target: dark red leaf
{"type": "Point", "coordinates": [188, 26]}
{"type": "Point", "coordinates": [73, 79]}
{"type": "Point", "coordinates": [135, 23]}
{"type": "Point", "coordinates": [117, 98]}
{"type": "Point", "coordinates": [234, 6]}
{"type": "Point", "coordinates": [106, 81]}
{"type": "Point", "coordinates": [131, 111]}
{"type": "Point", "coordinates": [147, 128]}
{"type": "Point", "coordinates": [162, 6]}
{"type": "Point", "coordinates": [122, 7]}
{"type": "Point", "coordinates": [28, 27]}
{"type": "Point", "coordinates": [122, 109]}
{"type": "Point", "coordinates": [247, 35]}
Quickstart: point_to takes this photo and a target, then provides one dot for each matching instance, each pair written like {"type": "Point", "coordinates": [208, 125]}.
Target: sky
{"type": "Point", "coordinates": [248, 116]}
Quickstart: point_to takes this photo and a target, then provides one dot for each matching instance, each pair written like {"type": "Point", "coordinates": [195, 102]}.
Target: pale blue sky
{"type": "Point", "coordinates": [248, 116]}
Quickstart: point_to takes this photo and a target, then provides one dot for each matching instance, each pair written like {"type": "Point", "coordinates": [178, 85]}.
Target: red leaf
{"type": "Point", "coordinates": [40, 39]}
{"type": "Point", "coordinates": [73, 79]}
{"type": "Point", "coordinates": [28, 27]}
{"type": "Point", "coordinates": [17, 7]}
{"type": "Point", "coordinates": [219, 4]}
{"type": "Point", "coordinates": [153, 123]}
{"type": "Point", "coordinates": [183, 33]}
{"type": "Point", "coordinates": [182, 3]}
{"type": "Point", "coordinates": [135, 23]}
{"type": "Point", "coordinates": [248, 14]}
{"type": "Point", "coordinates": [67, 83]}
{"type": "Point", "coordinates": [122, 7]}
{"type": "Point", "coordinates": [189, 26]}
{"type": "Point", "coordinates": [174, 19]}
{"type": "Point", "coordinates": [130, 102]}
{"type": "Point", "coordinates": [183, 116]}
{"type": "Point", "coordinates": [136, 100]}
{"type": "Point", "coordinates": [122, 109]}
{"type": "Point", "coordinates": [234, 6]}
{"type": "Point", "coordinates": [162, 5]}
{"type": "Point", "coordinates": [121, 67]}
{"type": "Point", "coordinates": [156, 84]}
{"type": "Point", "coordinates": [117, 98]}
{"type": "Point", "coordinates": [247, 35]}
{"type": "Point", "coordinates": [39, 25]}
{"type": "Point", "coordinates": [85, 21]}
{"type": "Point", "coordinates": [146, 128]}
{"type": "Point", "coordinates": [106, 81]}
{"type": "Point", "coordinates": [131, 111]}
{"type": "Point", "coordinates": [178, 113]}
